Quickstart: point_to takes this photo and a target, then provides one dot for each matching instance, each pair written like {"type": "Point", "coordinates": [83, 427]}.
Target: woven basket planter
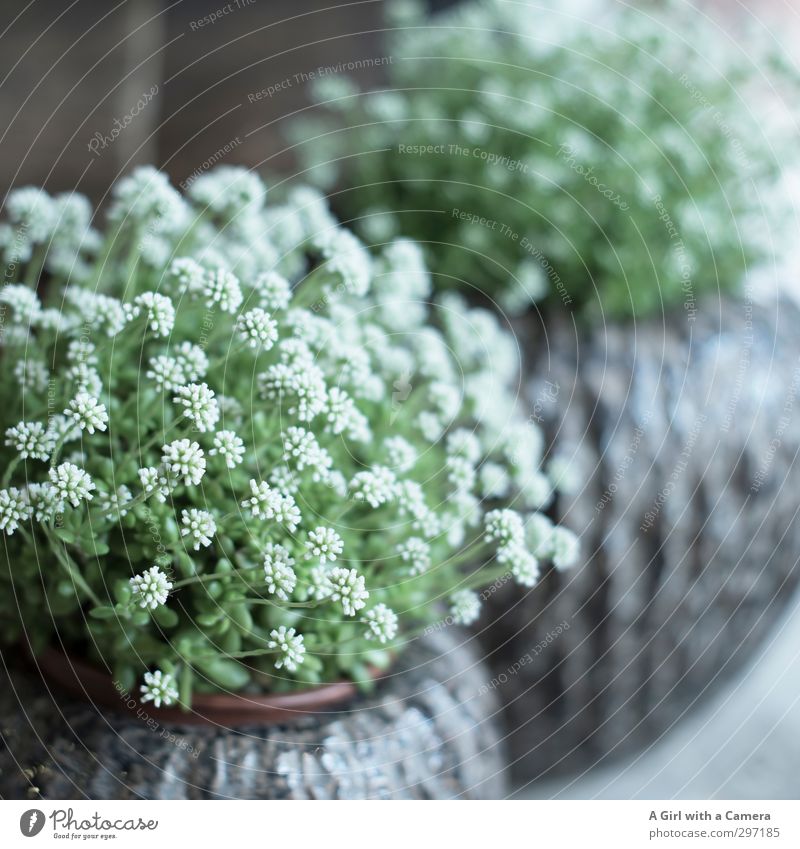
{"type": "Point", "coordinates": [686, 434]}
{"type": "Point", "coordinates": [426, 732]}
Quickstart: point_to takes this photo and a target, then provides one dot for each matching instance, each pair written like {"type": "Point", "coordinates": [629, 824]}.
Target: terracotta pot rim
{"type": "Point", "coordinates": [92, 684]}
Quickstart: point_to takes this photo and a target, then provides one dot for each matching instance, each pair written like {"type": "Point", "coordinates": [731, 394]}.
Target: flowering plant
{"type": "Point", "coordinates": [241, 451]}
{"type": "Point", "coordinates": [589, 152]}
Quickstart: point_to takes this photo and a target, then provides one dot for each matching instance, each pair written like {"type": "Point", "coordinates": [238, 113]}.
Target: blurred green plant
{"type": "Point", "coordinates": [605, 156]}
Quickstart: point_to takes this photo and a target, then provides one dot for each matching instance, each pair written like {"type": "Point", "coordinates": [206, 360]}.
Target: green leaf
{"type": "Point", "coordinates": [102, 613]}
{"type": "Point", "coordinates": [224, 672]}
{"type": "Point", "coordinates": [65, 535]}
{"type": "Point", "coordinates": [166, 617]}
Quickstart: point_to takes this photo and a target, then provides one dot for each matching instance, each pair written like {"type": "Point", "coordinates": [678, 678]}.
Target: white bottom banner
{"type": "Point", "coordinates": [464, 824]}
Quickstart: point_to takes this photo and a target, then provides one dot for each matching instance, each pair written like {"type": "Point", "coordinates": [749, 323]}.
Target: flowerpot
{"type": "Point", "coordinates": [686, 432]}
{"type": "Point", "coordinates": [427, 731]}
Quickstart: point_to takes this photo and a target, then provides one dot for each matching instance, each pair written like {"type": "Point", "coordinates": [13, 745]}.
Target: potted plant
{"type": "Point", "coordinates": [248, 464]}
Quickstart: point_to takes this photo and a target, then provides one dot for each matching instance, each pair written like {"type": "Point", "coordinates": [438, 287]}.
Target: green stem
{"type": "Point", "coordinates": [212, 576]}
{"type": "Point", "coordinates": [72, 569]}
{"type": "Point", "coordinates": [10, 470]}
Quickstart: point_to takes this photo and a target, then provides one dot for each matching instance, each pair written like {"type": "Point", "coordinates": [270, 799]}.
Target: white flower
{"type": "Point", "coordinates": [446, 399]}
{"type": "Point", "coordinates": [289, 644]}
{"type": "Point", "coordinates": [274, 291]}
{"type": "Point", "coordinates": [155, 482]}
{"type": "Point", "coordinates": [278, 572]}
{"type": "Point", "coordinates": [222, 288]}
{"type": "Point", "coordinates": [230, 191]}
{"type": "Point", "coordinates": [158, 688]}
{"type": "Point", "coordinates": [258, 329]}
{"type": "Point", "coordinates": [187, 275]}
{"type": "Point", "coordinates": [34, 210]}
{"type": "Point", "coordinates": [32, 375]}
{"type": "Point", "coordinates": [228, 446]}
{"type": "Point", "coordinates": [411, 501]}
{"type": "Point", "coordinates": [23, 302]}
{"type": "Point", "coordinates": [199, 526]}
{"type": "Point", "coordinates": [535, 489]}
{"type": "Point", "coordinates": [382, 622]}
{"type": "Point", "coordinates": [185, 460]}
{"type": "Point", "coordinates": [30, 439]}
{"type": "Point", "coordinates": [192, 359]}
{"type": "Point", "coordinates": [301, 449]}
{"type": "Point", "coordinates": [86, 378]}
{"type": "Point", "coordinates": [505, 526]}
{"type": "Point", "coordinates": [114, 504]}
{"type": "Point", "coordinates": [339, 410]}
{"type": "Point", "coordinates": [465, 607]}
{"type": "Point", "coordinates": [400, 453]}
{"type": "Point", "coordinates": [199, 405]}
{"type": "Point", "coordinates": [44, 501]}
{"type": "Point", "coordinates": [147, 197]}
{"type": "Point", "coordinates": [375, 486]}
{"type": "Point", "coordinates": [347, 260]}
{"type": "Point", "coordinates": [430, 426]}
{"type": "Point", "coordinates": [81, 351]}
{"type": "Point", "coordinates": [71, 483]}
{"type": "Point", "coordinates": [324, 544]}
{"type": "Point", "coordinates": [285, 480]}
{"type": "Point", "coordinates": [564, 548]}
{"type": "Point", "coordinates": [538, 534]}
{"type": "Point", "coordinates": [319, 578]}
{"type": "Point", "coordinates": [151, 588]}
{"type": "Point", "coordinates": [495, 480]}
{"type": "Point", "coordinates": [268, 503]}
{"type": "Point", "coordinates": [100, 311]}
{"type": "Point", "coordinates": [166, 372]}
{"type": "Point", "coordinates": [460, 474]}
{"type": "Point", "coordinates": [347, 587]}
{"type": "Point", "coordinates": [158, 310]}
{"type": "Point", "coordinates": [417, 553]}
{"type": "Point", "coordinates": [464, 443]}
{"type": "Point", "coordinates": [303, 384]}
{"type": "Point", "coordinates": [87, 412]}
{"type": "Point", "coordinates": [524, 566]}
{"type": "Point", "coordinates": [14, 509]}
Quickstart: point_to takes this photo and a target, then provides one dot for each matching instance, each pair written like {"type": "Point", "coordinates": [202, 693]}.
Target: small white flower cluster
{"type": "Point", "coordinates": [151, 588]}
